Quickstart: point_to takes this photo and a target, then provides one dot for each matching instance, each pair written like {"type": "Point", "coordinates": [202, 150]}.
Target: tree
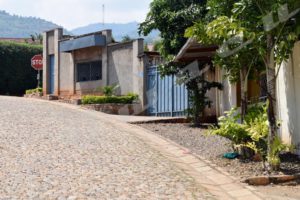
{"type": "Point", "coordinates": [146, 48]}
{"type": "Point", "coordinates": [126, 38]}
{"type": "Point", "coordinates": [171, 18]}
{"type": "Point", "coordinates": [238, 65]}
{"type": "Point", "coordinates": [157, 45]}
{"type": "Point", "coordinates": [272, 39]}
{"type": "Point", "coordinates": [37, 38]}
{"type": "Point", "coordinates": [16, 73]}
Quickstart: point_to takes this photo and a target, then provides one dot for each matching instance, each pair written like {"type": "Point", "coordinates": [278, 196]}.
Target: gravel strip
{"type": "Point", "coordinates": [213, 147]}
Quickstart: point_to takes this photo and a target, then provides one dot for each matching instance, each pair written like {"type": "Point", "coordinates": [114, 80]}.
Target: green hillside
{"type": "Point", "coordinates": [20, 27]}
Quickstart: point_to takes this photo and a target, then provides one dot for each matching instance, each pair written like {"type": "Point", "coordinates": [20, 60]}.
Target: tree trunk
{"type": "Point", "coordinates": [244, 93]}
{"type": "Point", "coordinates": [271, 86]}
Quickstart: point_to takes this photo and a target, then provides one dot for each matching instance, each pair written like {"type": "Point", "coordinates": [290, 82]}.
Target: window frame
{"type": "Point", "coordinates": [90, 63]}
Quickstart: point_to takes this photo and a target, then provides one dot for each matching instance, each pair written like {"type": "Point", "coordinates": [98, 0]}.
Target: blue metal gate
{"type": "Point", "coordinates": [52, 74]}
{"type": "Point", "coordinates": [164, 96]}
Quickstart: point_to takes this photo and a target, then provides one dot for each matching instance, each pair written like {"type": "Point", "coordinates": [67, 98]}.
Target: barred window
{"type": "Point", "coordinates": [89, 71]}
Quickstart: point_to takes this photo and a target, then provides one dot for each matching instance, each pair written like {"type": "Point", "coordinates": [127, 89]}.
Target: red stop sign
{"type": "Point", "coordinates": [37, 62]}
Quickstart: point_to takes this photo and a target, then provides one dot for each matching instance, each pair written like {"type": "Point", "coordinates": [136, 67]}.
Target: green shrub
{"type": "Point", "coordinates": [252, 134]}
{"type": "Point", "coordinates": [276, 148]}
{"type": "Point", "coordinates": [36, 90]}
{"type": "Point", "coordinates": [231, 129]}
{"type": "Point", "coordinates": [107, 99]}
{"type": "Point", "coordinates": [16, 73]}
{"type": "Point", "coordinates": [110, 90]}
{"type": "Point", "coordinates": [133, 95]}
{"type": "Point", "coordinates": [257, 127]}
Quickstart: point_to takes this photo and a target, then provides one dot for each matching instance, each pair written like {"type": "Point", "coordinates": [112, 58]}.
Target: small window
{"type": "Point", "coordinates": [89, 71]}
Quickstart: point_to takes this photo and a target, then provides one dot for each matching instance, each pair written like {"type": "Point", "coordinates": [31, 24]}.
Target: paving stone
{"type": "Point", "coordinates": [56, 152]}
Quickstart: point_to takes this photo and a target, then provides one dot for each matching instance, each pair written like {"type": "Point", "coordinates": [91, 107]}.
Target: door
{"type": "Point", "coordinates": [52, 74]}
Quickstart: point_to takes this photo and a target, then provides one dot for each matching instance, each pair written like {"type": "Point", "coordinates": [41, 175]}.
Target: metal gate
{"type": "Point", "coordinates": [164, 96]}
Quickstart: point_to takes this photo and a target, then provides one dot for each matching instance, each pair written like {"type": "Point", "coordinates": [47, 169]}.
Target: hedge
{"type": "Point", "coordinates": [16, 73]}
{"type": "Point", "coordinates": [108, 99]}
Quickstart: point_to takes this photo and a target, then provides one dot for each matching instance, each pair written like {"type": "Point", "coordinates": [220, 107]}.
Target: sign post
{"type": "Point", "coordinates": [37, 64]}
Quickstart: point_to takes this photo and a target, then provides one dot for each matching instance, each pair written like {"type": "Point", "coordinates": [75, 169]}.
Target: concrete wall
{"type": "Point", "coordinates": [126, 68]}
{"type": "Point", "coordinates": [210, 112]}
{"type": "Point", "coordinates": [226, 98]}
{"type": "Point", "coordinates": [67, 75]}
{"type": "Point", "coordinates": [51, 47]}
{"type": "Point", "coordinates": [120, 64]}
{"type": "Point", "coordinates": [288, 98]}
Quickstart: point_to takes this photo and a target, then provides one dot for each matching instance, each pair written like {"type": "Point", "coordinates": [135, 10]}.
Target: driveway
{"type": "Point", "coordinates": [51, 151]}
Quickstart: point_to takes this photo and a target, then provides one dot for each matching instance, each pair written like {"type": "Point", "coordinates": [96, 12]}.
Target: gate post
{"type": "Point", "coordinates": [157, 81]}
{"type": "Point", "coordinates": [172, 96]}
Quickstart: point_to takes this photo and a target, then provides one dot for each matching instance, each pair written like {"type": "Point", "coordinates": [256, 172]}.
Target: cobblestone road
{"type": "Point", "coordinates": [49, 151]}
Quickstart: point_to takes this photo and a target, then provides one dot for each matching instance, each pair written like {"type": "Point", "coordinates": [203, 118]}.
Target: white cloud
{"type": "Point", "coordinates": [75, 13]}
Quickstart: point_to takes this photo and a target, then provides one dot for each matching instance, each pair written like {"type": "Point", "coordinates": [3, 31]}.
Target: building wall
{"type": "Point", "coordinates": [226, 98]}
{"type": "Point", "coordinates": [288, 98]}
{"type": "Point", "coordinates": [210, 112]}
{"type": "Point", "coordinates": [122, 64]}
{"type": "Point", "coordinates": [66, 77]}
{"type": "Point", "coordinates": [88, 55]}
{"type": "Point", "coordinates": [51, 47]}
{"type": "Point", "coordinates": [126, 68]}
{"type": "Point", "coordinates": [120, 68]}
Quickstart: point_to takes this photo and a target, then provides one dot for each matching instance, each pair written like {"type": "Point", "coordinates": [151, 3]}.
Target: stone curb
{"type": "Point", "coordinates": [266, 180]}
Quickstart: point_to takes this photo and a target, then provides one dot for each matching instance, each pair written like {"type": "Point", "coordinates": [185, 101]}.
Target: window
{"type": "Point", "coordinates": [89, 71]}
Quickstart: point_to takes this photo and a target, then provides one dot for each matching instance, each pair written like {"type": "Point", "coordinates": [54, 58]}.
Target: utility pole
{"type": "Point", "coordinates": [103, 13]}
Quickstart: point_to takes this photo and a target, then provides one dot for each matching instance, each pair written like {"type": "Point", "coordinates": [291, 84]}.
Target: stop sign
{"type": "Point", "coordinates": [37, 62]}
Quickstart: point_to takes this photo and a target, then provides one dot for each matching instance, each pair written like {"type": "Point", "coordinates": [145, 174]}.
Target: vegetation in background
{"type": "Point", "coordinates": [22, 27]}
{"type": "Point", "coordinates": [37, 38]}
{"type": "Point", "coordinates": [273, 44]}
{"type": "Point", "coordinates": [110, 90]}
{"type": "Point", "coordinates": [34, 91]}
{"type": "Point", "coordinates": [172, 18]}
{"type": "Point", "coordinates": [157, 45]}
{"type": "Point", "coordinates": [146, 48]}
{"type": "Point", "coordinates": [109, 99]}
{"type": "Point", "coordinates": [126, 38]}
{"type": "Point", "coordinates": [16, 73]}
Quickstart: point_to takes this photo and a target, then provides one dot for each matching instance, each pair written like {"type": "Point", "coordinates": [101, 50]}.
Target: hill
{"type": "Point", "coordinates": [119, 30]}
{"type": "Point", "coordinates": [22, 27]}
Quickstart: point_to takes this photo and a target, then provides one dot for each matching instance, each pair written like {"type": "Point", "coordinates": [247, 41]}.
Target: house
{"type": "Point", "coordinates": [222, 100]}
{"type": "Point", "coordinates": [288, 96]}
{"type": "Point", "coordinates": [81, 65]}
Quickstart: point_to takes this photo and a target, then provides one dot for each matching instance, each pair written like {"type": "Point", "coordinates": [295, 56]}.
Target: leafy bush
{"type": "Point", "coordinates": [257, 127]}
{"type": "Point", "coordinates": [110, 90]}
{"type": "Point", "coordinates": [252, 134]}
{"type": "Point", "coordinates": [276, 148]}
{"type": "Point", "coordinates": [108, 99]}
{"type": "Point", "coordinates": [231, 129]}
{"type": "Point", "coordinates": [36, 90]}
{"type": "Point", "coordinates": [133, 95]}
{"type": "Point", "coordinates": [16, 73]}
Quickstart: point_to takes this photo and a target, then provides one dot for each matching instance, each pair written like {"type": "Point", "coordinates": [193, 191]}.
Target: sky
{"type": "Point", "coordinates": [76, 13]}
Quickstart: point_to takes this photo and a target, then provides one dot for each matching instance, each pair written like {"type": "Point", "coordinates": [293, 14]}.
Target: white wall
{"type": "Point", "coordinates": [288, 99]}
{"type": "Point", "coordinates": [226, 98]}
